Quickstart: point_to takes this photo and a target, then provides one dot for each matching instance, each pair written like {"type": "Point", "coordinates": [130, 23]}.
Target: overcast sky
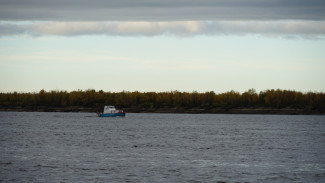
{"type": "Point", "coordinates": [161, 10]}
{"type": "Point", "coordinates": [155, 45]}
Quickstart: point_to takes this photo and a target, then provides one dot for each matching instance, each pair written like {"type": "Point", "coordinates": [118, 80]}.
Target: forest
{"type": "Point", "coordinates": [93, 100]}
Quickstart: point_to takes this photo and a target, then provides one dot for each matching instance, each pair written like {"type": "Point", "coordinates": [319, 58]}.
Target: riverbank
{"type": "Point", "coordinates": [265, 102]}
{"type": "Point", "coordinates": [224, 110]}
{"type": "Point", "coordinates": [216, 110]}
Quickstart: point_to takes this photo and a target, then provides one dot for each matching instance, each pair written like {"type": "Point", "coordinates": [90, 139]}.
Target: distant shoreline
{"type": "Point", "coordinates": [265, 102]}
{"type": "Point", "coordinates": [216, 110]}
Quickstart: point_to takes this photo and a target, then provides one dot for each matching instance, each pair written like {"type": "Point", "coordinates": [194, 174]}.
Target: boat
{"type": "Point", "coordinates": [110, 111]}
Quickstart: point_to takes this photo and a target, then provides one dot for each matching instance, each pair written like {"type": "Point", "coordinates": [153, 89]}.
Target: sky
{"type": "Point", "coordinates": [162, 45]}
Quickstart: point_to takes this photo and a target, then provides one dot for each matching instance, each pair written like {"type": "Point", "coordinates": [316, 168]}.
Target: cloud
{"type": "Point", "coordinates": [160, 10]}
{"type": "Point", "coordinates": [288, 18]}
{"type": "Point", "coordinates": [307, 29]}
{"type": "Point", "coordinates": [11, 29]}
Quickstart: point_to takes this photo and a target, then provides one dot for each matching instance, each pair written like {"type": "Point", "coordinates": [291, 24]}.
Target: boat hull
{"type": "Point", "coordinates": [120, 114]}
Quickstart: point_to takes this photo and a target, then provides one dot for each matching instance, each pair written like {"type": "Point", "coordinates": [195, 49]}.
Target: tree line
{"type": "Point", "coordinates": [173, 99]}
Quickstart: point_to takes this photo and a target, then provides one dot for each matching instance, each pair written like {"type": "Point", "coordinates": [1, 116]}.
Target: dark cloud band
{"type": "Point", "coordinates": [161, 10]}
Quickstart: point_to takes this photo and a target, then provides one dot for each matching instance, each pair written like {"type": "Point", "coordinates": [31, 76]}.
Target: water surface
{"type": "Point", "coordinates": [79, 147]}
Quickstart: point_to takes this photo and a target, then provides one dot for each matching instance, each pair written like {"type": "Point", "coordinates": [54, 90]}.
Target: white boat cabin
{"type": "Point", "coordinates": [110, 109]}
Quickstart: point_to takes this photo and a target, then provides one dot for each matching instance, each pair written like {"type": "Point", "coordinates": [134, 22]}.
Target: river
{"type": "Point", "coordinates": [80, 147]}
